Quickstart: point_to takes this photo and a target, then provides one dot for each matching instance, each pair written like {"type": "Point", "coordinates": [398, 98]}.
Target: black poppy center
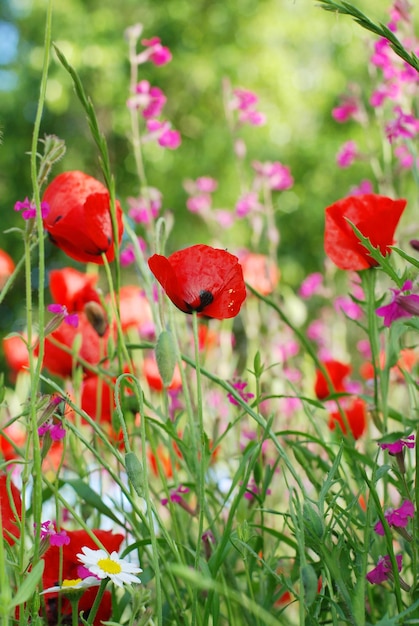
{"type": "Point", "coordinates": [205, 298]}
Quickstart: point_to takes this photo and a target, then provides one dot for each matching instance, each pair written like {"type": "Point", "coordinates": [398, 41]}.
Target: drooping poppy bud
{"type": "Point", "coordinates": [202, 279]}
{"type": "Point", "coordinates": [79, 219]}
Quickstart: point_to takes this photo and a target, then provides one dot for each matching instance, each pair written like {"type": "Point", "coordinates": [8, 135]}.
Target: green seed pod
{"type": "Point", "coordinates": [166, 356]}
{"type": "Point", "coordinates": [310, 584]}
{"type": "Point", "coordinates": [135, 472]}
{"type": "Point", "coordinates": [313, 523]}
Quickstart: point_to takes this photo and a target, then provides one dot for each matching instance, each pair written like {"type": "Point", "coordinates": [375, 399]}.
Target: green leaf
{"type": "Point", "coordinates": [91, 498]}
{"type": "Point", "coordinates": [28, 587]}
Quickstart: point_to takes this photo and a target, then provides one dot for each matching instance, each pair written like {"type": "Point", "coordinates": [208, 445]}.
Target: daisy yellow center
{"type": "Point", "coordinates": [70, 582]}
{"type": "Point", "coordinates": [109, 566]}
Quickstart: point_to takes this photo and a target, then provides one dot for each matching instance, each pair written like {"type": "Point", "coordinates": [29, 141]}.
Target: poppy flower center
{"type": "Point", "coordinates": [109, 566]}
{"type": "Point", "coordinates": [205, 298]}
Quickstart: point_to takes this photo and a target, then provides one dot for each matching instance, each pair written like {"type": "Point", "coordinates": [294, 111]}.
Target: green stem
{"type": "Point", "coordinates": [202, 461]}
{"type": "Point", "coordinates": [98, 600]}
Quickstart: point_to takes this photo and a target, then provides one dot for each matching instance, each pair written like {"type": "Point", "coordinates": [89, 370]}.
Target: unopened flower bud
{"type": "Point", "coordinates": [166, 357]}
{"type": "Point", "coordinates": [97, 317]}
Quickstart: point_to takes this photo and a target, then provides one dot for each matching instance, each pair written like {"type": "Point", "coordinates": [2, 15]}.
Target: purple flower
{"type": "Point", "coordinates": [48, 531]}
{"type": "Point", "coordinates": [176, 495]}
{"type": "Point", "coordinates": [29, 209]}
{"type": "Point", "coordinates": [56, 431]}
{"type": "Point", "coordinates": [397, 446]}
{"type": "Point", "coordinates": [397, 518]}
{"type": "Point", "coordinates": [347, 154]}
{"type": "Point", "coordinates": [402, 305]}
{"type": "Point", "coordinates": [239, 386]}
{"type": "Point", "coordinates": [383, 570]}
{"type": "Point", "coordinates": [72, 319]}
{"type": "Point", "coordinates": [311, 285]}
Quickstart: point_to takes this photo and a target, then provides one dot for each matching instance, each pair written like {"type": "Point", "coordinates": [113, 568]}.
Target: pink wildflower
{"type": "Point", "coordinates": [239, 386]}
{"type": "Point", "coordinates": [158, 54]}
{"type": "Point", "coordinates": [29, 209]}
{"type": "Point", "coordinates": [397, 446]}
{"type": "Point", "coordinates": [72, 319]}
{"type": "Point", "coordinates": [397, 518]}
{"type": "Point", "coordinates": [277, 175]}
{"type": "Point", "coordinates": [403, 125]}
{"type": "Point", "coordinates": [350, 308]}
{"type": "Point", "coordinates": [48, 531]}
{"type": "Point", "coordinates": [383, 570]}
{"type": "Point", "coordinates": [364, 187]}
{"type": "Point", "coordinates": [311, 285]}
{"type": "Point", "coordinates": [247, 203]}
{"type": "Point", "coordinates": [403, 304]}
{"type": "Point", "coordinates": [206, 184]}
{"type": "Point", "coordinates": [347, 154]}
{"type": "Point", "coordinates": [347, 109]}
{"type": "Point", "coordinates": [56, 431]}
{"type": "Point", "coordinates": [150, 100]}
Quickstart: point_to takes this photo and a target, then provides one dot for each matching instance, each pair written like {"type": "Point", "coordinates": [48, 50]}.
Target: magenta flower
{"type": "Point", "coordinates": [162, 132]}
{"type": "Point", "coordinates": [396, 518]}
{"type": "Point", "coordinates": [29, 209]}
{"type": "Point", "coordinates": [347, 154]}
{"type": "Point", "coordinates": [404, 125]}
{"type": "Point", "coordinates": [206, 184]}
{"type": "Point", "coordinates": [72, 319]}
{"type": "Point", "coordinates": [156, 53]}
{"type": "Point", "coordinates": [56, 431]}
{"type": "Point", "coordinates": [350, 308]}
{"type": "Point", "coordinates": [364, 187]}
{"type": "Point", "coordinates": [383, 570]}
{"type": "Point", "coordinates": [57, 539]}
{"type": "Point", "coordinates": [176, 495]}
{"type": "Point", "coordinates": [403, 304]}
{"type": "Point", "coordinates": [150, 100]}
{"type": "Point", "coordinates": [145, 207]}
{"type": "Point", "coordinates": [247, 203]}
{"type": "Point", "coordinates": [397, 446]}
{"type": "Point", "coordinates": [245, 101]}
{"type": "Point", "coordinates": [311, 285]}
{"type": "Point", "coordinates": [239, 386]}
{"type": "Point", "coordinates": [347, 109]}
{"type": "Point", "coordinates": [277, 175]}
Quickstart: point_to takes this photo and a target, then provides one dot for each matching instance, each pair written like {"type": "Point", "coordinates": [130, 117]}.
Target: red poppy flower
{"type": "Point", "coordinates": [79, 219]}
{"type": "Point", "coordinates": [337, 372]}
{"type": "Point", "coordinates": [8, 516]}
{"type": "Point", "coordinates": [135, 309]}
{"type": "Point", "coordinates": [7, 267]}
{"type": "Point", "coordinates": [72, 288]}
{"type": "Point", "coordinates": [376, 217]}
{"type": "Point", "coordinates": [92, 347]}
{"type": "Point", "coordinates": [202, 279]}
{"type": "Point", "coordinates": [356, 417]}
{"type": "Point", "coordinates": [97, 394]}
{"type": "Point", "coordinates": [70, 571]}
{"type": "Point", "coordinates": [260, 272]}
{"type": "Point", "coordinates": [154, 380]}
{"type": "Point", "coordinates": [16, 354]}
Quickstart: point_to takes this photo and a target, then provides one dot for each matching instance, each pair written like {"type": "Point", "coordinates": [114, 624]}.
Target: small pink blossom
{"type": "Point", "coordinates": [404, 125]}
{"type": "Point", "coordinates": [206, 184]}
{"type": "Point", "coordinates": [383, 570]}
{"type": "Point", "coordinates": [397, 446]}
{"type": "Point", "coordinates": [404, 157]}
{"type": "Point", "coordinates": [145, 207]}
{"type": "Point", "coordinates": [247, 203]}
{"type": "Point", "coordinates": [350, 308]}
{"type": "Point", "coordinates": [72, 319]}
{"type": "Point", "coordinates": [347, 109]}
{"type": "Point", "coordinates": [150, 100]}
{"type": "Point", "coordinates": [311, 285]}
{"type": "Point", "coordinates": [29, 209]}
{"type": "Point", "coordinates": [58, 539]}
{"type": "Point", "coordinates": [162, 132]}
{"type": "Point", "coordinates": [397, 518]}
{"type": "Point", "coordinates": [403, 304]}
{"type": "Point", "coordinates": [240, 386]}
{"type": "Point", "coordinates": [199, 204]}
{"type": "Point", "coordinates": [254, 118]}
{"type": "Point", "coordinates": [347, 154]}
{"type": "Point", "coordinates": [56, 431]}
{"type": "Point", "coordinates": [277, 175]}
{"type": "Point", "coordinates": [224, 218]}
{"type": "Point", "coordinates": [157, 54]}
{"type": "Point", "coordinates": [365, 186]}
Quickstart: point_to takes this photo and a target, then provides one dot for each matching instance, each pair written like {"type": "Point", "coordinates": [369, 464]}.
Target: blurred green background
{"type": "Point", "coordinates": [297, 57]}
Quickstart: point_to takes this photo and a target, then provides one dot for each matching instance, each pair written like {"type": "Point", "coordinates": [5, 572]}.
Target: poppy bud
{"type": "Point", "coordinates": [79, 219]}
{"type": "Point", "coordinates": [97, 317]}
{"type": "Point", "coordinates": [310, 584]}
{"type": "Point", "coordinates": [135, 472]}
{"type": "Point", "coordinates": [166, 357]}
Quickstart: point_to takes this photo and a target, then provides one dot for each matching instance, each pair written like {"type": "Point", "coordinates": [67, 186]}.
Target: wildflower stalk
{"type": "Point", "coordinates": [98, 600]}
{"type": "Point", "coordinates": [35, 369]}
{"type": "Point", "coordinates": [201, 465]}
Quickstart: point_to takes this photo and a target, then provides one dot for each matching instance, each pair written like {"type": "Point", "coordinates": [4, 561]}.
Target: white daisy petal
{"type": "Point", "coordinates": [104, 565]}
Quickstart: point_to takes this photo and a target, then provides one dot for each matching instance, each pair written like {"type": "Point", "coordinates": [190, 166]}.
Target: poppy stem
{"type": "Point", "coordinates": [202, 458]}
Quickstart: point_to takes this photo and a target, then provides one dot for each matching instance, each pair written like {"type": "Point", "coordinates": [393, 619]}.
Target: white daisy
{"type": "Point", "coordinates": [104, 565]}
{"type": "Point", "coordinates": [69, 585]}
